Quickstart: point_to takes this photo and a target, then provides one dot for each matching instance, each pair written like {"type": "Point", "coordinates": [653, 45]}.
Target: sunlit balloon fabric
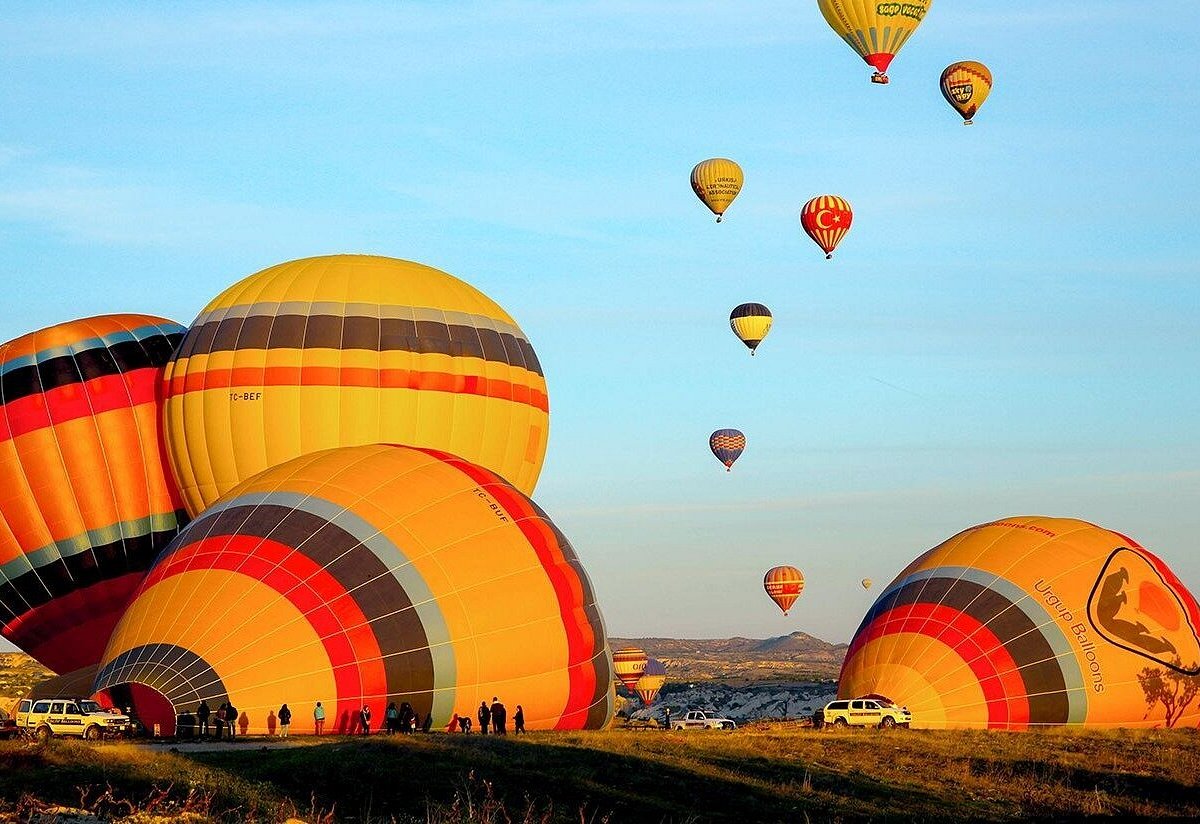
{"type": "Point", "coordinates": [717, 182]}
{"type": "Point", "coordinates": [85, 497]}
{"type": "Point", "coordinates": [965, 85]}
{"type": "Point", "coordinates": [750, 322]}
{"type": "Point", "coordinates": [347, 350]}
{"type": "Point", "coordinates": [651, 682]}
{"type": "Point", "coordinates": [727, 445]}
{"type": "Point", "coordinates": [365, 575]}
{"type": "Point", "coordinates": [628, 665]}
{"type": "Point", "coordinates": [826, 219]}
{"type": "Point", "coordinates": [784, 585]}
{"type": "Point", "coordinates": [875, 30]}
{"type": "Point", "coordinates": [1029, 622]}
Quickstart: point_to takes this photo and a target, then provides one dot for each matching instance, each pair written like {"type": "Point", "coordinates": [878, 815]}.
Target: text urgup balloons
{"type": "Point", "coordinates": [86, 501]}
{"type": "Point", "coordinates": [1030, 622]}
{"type": "Point", "coordinates": [364, 575]}
{"type": "Point", "coordinates": [346, 350]}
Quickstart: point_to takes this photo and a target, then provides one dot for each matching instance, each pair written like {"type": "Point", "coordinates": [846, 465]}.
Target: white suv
{"type": "Point", "coordinates": [46, 718]}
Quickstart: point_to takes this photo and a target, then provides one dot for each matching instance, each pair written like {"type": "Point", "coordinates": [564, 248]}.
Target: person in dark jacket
{"type": "Point", "coordinates": [405, 722]}
{"type": "Point", "coordinates": [485, 717]}
{"type": "Point", "coordinates": [364, 718]}
{"type": "Point", "coordinates": [518, 721]}
{"type": "Point", "coordinates": [219, 722]}
{"type": "Point", "coordinates": [391, 718]}
{"type": "Point", "coordinates": [498, 717]}
{"type": "Point", "coordinates": [231, 717]}
{"type": "Point", "coordinates": [285, 721]}
{"type": "Point", "coordinates": [202, 714]}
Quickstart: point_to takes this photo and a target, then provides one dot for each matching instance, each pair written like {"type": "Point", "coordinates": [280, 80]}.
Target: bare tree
{"type": "Point", "coordinates": [1171, 688]}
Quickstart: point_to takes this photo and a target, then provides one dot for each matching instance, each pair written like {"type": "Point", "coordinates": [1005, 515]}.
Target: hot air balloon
{"type": "Point", "coordinates": [345, 350]}
{"type": "Point", "coordinates": [717, 182]}
{"type": "Point", "coordinates": [727, 445]}
{"type": "Point", "coordinates": [784, 584]}
{"type": "Point", "coordinates": [866, 583]}
{"type": "Point", "coordinates": [965, 85]}
{"type": "Point", "coordinates": [826, 219]}
{"type": "Point", "coordinates": [628, 665]}
{"type": "Point", "coordinates": [86, 500]}
{"type": "Point", "coordinates": [875, 30]}
{"type": "Point", "coordinates": [750, 322]}
{"type": "Point", "coordinates": [651, 682]}
{"type": "Point", "coordinates": [363, 575]}
{"type": "Point", "coordinates": [1031, 622]}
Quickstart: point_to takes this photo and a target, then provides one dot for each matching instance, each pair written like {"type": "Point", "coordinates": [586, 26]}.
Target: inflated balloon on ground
{"type": "Point", "coordinates": [86, 501]}
{"type": "Point", "coordinates": [1032, 622]}
{"type": "Point", "coordinates": [346, 350]}
{"type": "Point", "coordinates": [361, 576]}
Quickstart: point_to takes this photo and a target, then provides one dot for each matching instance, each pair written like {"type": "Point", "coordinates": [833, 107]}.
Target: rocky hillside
{"type": "Point", "coordinates": [788, 658]}
{"type": "Point", "coordinates": [18, 673]}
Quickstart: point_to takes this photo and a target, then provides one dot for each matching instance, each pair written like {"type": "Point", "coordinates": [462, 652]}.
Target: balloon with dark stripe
{"type": "Point", "coordinates": [727, 445]}
{"type": "Point", "coordinates": [86, 500]}
{"type": "Point", "coordinates": [366, 575]}
{"type": "Point", "coordinates": [750, 322]}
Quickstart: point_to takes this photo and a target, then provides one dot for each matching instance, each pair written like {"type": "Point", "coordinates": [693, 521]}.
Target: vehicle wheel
{"type": "Point", "coordinates": [43, 734]}
{"type": "Point", "coordinates": [839, 722]}
{"type": "Point", "coordinates": [678, 727]}
{"type": "Point", "coordinates": [92, 733]}
{"type": "Point", "coordinates": [887, 723]}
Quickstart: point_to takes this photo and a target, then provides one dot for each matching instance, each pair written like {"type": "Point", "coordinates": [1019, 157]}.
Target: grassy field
{"type": "Point", "coordinates": [768, 774]}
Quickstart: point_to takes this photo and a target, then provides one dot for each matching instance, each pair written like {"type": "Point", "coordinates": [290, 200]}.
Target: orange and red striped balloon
{"type": "Point", "coordinates": [629, 663]}
{"type": "Point", "coordinates": [784, 585]}
{"type": "Point", "coordinates": [826, 219]}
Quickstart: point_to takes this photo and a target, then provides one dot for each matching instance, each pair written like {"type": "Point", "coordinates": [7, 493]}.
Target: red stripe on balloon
{"type": "Point", "coordinates": [78, 400]}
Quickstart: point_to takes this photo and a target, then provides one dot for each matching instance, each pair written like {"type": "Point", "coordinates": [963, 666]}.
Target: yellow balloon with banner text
{"type": "Point", "coordinates": [876, 31]}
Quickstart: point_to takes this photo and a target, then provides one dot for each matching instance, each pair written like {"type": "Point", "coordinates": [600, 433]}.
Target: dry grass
{"type": "Point", "coordinates": [769, 773]}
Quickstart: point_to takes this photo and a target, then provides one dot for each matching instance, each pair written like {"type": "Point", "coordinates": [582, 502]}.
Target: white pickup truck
{"type": "Point", "coordinates": [699, 720]}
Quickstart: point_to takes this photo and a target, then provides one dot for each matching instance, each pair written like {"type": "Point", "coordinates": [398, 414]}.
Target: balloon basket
{"type": "Point", "coordinates": [829, 256]}
{"type": "Point", "coordinates": [968, 122]}
{"type": "Point", "coordinates": [881, 78]}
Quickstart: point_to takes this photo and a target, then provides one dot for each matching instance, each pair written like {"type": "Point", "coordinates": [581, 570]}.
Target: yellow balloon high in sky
{"type": "Point", "coordinates": [717, 182]}
{"type": "Point", "coordinates": [346, 350]}
{"type": "Point", "coordinates": [965, 85]}
{"type": "Point", "coordinates": [875, 30]}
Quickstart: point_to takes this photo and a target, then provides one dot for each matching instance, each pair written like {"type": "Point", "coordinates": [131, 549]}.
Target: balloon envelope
{"type": "Point", "coordinates": [750, 322]}
{"type": "Point", "coordinates": [651, 682]}
{"type": "Point", "coordinates": [866, 583]}
{"type": "Point", "coordinates": [826, 219]}
{"type": "Point", "coordinates": [86, 501]}
{"type": "Point", "coordinates": [346, 350]}
{"type": "Point", "coordinates": [364, 575]}
{"type": "Point", "coordinates": [966, 85]}
{"type": "Point", "coordinates": [727, 445]}
{"type": "Point", "coordinates": [628, 665]}
{"type": "Point", "coordinates": [717, 182]}
{"type": "Point", "coordinates": [784, 585]}
{"type": "Point", "coordinates": [876, 31]}
{"type": "Point", "coordinates": [1031, 622]}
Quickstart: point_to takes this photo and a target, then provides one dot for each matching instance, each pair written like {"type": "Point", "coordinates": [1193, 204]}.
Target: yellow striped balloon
{"type": "Point", "coordinates": [345, 350]}
{"type": "Point", "coordinates": [652, 680]}
{"type": "Point", "coordinates": [965, 85]}
{"type": "Point", "coordinates": [750, 322]}
{"type": "Point", "coordinates": [86, 500]}
{"type": "Point", "coordinates": [826, 219]}
{"type": "Point", "coordinates": [629, 664]}
{"type": "Point", "coordinates": [717, 182]}
{"type": "Point", "coordinates": [875, 30]}
{"type": "Point", "coordinates": [363, 576]}
{"type": "Point", "coordinates": [784, 585]}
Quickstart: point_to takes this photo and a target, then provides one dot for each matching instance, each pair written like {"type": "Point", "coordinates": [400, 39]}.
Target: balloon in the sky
{"type": "Point", "coordinates": [866, 583]}
{"type": "Point", "coordinates": [717, 182]}
{"type": "Point", "coordinates": [651, 682]}
{"type": "Point", "coordinates": [346, 350]}
{"type": "Point", "coordinates": [728, 445]}
{"type": "Point", "coordinates": [750, 322]}
{"type": "Point", "coordinates": [826, 219]}
{"type": "Point", "coordinates": [629, 663]}
{"type": "Point", "coordinates": [1030, 622]}
{"type": "Point", "coordinates": [875, 30]}
{"type": "Point", "coordinates": [86, 501]}
{"type": "Point", "coordinates": [784, 585]}
{"type": "Point", "coordinates": [365, 575]}
{"type": "Point", "coordinates": [965, 85]}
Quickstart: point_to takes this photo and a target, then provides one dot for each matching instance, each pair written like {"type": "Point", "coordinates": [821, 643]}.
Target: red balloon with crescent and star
{"type": "Point", "coordinates": [826, 219]}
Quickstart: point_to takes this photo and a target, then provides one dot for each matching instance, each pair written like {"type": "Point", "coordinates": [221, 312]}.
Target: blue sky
{"type": "Point", "coordinates": [1010, 327]}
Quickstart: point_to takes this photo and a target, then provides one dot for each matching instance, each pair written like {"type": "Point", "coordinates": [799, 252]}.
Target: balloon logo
{"type": "Point", "coordinates": [965, 85]}
{"type": "Point", "coordinates": [629, 664]}
{"type": "Point", "coordinates": [651, 682]}
{"type": "Point", "coordinates": [874, 30]}
{"type": "Point", "coordinates": [717, 182]}
{"type": "Point", "coordinates": [784, 585]}
{"type": "Point", "coordinates": [826, 219]}
{"type": "Point", "coordinates": [750, 322]}
{"type": "Point", "coordinates": [728, 445]}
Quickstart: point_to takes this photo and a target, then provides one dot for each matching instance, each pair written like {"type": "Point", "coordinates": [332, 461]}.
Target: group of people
{"type": "Point", "coordinates": [403, 719]}
{"type": "Point", "coordinates": [205, 722]}
{"type": "Point", "coordinates": [494, 717]}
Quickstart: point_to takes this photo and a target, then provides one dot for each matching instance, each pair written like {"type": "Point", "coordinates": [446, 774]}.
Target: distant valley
{"type": "Point", "coordinates": [738, 661]}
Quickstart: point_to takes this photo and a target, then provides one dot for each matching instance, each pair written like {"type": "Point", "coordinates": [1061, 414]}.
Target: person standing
{"type": "Point", "coordinates": [667, 713]}
{"type": "Point", "coordinates": [485, 717]}
{"type": "Point", "coordinates": [231, 717]}
{"type": "Point", "coordinates": [219, 722]}
{"type": "Point", "coordinates": [391, 718]}
{"type": "Point", "coordinates": [464, 723]}
{"type": "Point", "coordinates": [498, 717]}
{"type": "Point", "coordinates": [285, 721]}
{"type": "Point", "coordinates": [518, 721]}
{"type": "Point", "coordinates": [202, 714]}
{"type": "Point", "coordinates": [364, 718]}
{"type": "Point", "coordinates": [318, 719]}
